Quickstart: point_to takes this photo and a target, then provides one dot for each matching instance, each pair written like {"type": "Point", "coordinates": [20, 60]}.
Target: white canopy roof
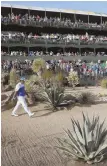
{"type": "Point", "coordinates": [54, 10]}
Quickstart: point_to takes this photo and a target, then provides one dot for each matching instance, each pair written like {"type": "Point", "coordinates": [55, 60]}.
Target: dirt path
{"type": "Point", "coordinates": [30, 142]}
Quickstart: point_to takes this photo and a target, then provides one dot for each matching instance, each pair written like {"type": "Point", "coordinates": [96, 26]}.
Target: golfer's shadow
{"type": "Point", "coordinates": [22, 114]}
{"type": "Point", "coordinates": [35, 115]}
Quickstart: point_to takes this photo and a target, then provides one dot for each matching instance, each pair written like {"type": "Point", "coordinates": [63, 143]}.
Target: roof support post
{"type": "Point", "coordinates": [8, 50]}
{"type": "Point", "coordinates": [63, 49]}
{"type": "Point", "coordinates": [29, 12]}
{"type": "Point", "coordinates": [46, 49]}
{"type": "Point", "coordinates": [60, 15]}
{"type": "Point", "coordinates": [94, 51]}
{"type": "Point", "coordinates": [45, 12]}
{"type": "Point", "coordinates": [80, 50]}
{"type": "Point", "coordinates": [28, 51]}
{"type": "Point", "coordinates": [88, 19]}
{"type": "Point", "coordinates": [11, 10]}
{"type": "Point", "coordinates": [101, 20]}
{"type": "Point", "coordinates": [74, 17]}
{"type": "Point", "coordinates": [46, 45]}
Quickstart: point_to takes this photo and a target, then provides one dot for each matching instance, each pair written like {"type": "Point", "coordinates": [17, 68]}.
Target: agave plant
{"type": "Point", "coordinates": [54, 94]}
{"type": "Point", "coordinates": [86, 142]}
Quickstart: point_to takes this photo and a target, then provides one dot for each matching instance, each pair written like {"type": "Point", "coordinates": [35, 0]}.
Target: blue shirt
{"type": "Point", "coordinates": [20, 89]}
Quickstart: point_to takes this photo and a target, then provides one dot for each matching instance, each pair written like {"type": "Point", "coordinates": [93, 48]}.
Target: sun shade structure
{"type": "Point", "coordinates": [54, 10]}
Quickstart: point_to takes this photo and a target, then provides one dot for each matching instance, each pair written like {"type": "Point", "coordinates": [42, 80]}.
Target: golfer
{"type": "Point", "coordinates": [20, 93]}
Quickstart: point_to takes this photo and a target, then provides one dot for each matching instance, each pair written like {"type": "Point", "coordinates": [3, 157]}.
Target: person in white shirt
{"type": "Point", "coordinates": [20, 93]}
{"type": "Point", "coordinates": [47, 66]}
{"type": "Point", "coordinates": [10, 36]}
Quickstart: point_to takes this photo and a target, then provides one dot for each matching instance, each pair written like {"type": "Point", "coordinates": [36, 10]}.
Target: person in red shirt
{"type": "Point", "coordinates": [37, 17]}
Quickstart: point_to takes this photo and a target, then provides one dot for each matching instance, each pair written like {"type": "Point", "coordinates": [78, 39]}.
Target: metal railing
{"type": "Point", "coordinates": [51, 41]}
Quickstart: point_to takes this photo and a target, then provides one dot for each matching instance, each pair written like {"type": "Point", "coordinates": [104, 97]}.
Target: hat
{"type": "Point", "coordinates": [22, 78]}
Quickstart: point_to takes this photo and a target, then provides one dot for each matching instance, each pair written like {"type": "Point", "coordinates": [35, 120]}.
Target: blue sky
{"type": "Point", "coordinates": [94, 6]}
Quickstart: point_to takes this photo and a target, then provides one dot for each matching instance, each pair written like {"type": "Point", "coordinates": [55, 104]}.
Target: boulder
{"type": "Point", "coordinates": [8, 88]}
{"type": "Point", "coordinates": [3, 97]}
{"type": "Point", "coordinates": [5, 78]}
{"type": "Point", "coordinates": [7, 103]}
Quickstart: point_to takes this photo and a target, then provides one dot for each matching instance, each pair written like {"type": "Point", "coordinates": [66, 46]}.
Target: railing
{"type": "Point", "coordinates": [55, 23]}
{"type": "Point", "coordinates": [51, 41]}
{"type": "Point", "coordinates": [55, 57]}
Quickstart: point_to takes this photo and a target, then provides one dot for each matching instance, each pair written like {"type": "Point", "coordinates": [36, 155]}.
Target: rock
{"type": "Point", "coordinates": [8, 88]}
{"type": "Point", "coordinates": [70, 98]}
{"type": "Point", "coordinates": [8, 106]}
{"type": "Point", "coordinates": [5, 78]}
{"type": "Point", "coordinates": [3, 97]}
{"type": "Point", "coordinates": [7, 103]}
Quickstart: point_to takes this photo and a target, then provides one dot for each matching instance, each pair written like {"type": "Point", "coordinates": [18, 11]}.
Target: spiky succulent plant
{"type": "Point", "coordinates": [86, 142]}
{"type": "Point", "coordinates": [53, 95]}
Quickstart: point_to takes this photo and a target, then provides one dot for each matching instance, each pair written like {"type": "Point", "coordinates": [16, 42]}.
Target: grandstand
{"type": "Point", "coordinates": [32, 29]}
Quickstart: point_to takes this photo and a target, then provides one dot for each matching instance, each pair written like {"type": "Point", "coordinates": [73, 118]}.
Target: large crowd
{"type": "Point", "coordinates": [92, 70]}
{"type": "Point", "coordinates": [89, 69]}
{"type": "Point", "coordinates": [48, 21]}
{"type": "Point", "coordinates": [51, 53]}
{"type": "Point", "coordinates": [20, 37]}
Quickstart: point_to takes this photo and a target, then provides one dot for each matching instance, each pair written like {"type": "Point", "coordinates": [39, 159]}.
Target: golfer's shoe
{"type": "Point", "coordinates": [14, 115]}
{"type": "Point", "coordinates": [30, 115]}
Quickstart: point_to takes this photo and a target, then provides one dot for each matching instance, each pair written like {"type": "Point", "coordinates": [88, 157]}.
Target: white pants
{"type": "Point", "coordinates": [21, 101]}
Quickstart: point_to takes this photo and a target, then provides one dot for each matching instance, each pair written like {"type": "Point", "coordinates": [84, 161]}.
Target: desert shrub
{"type": "Point", "coordinates": [86, 142]}
{"type": "Point", "coordinates": [28, 86]}
{"type": "Point", "coordinates": [33, 82]}
{"type": "Point", "coordinates": [53, 95]}
{"type": "Point", "coordinates": [38, 65]}
{"type": "Point", "coordinates": [34, 79]}
{"type": "Point", "coordinates": [47, 75]}
{"type": "Point", "coordinates": [86, 98]}
{"type": "Point", "coordinates": [104, 83]}
{"type": "Point", "coordinates": [73, 78]}
{"type": "Point", "coordinates": [34, 89]}
{"type": "Point", "coordinates": [13, 78]}
{"type": "Point", "coordinates": [59, 77]}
